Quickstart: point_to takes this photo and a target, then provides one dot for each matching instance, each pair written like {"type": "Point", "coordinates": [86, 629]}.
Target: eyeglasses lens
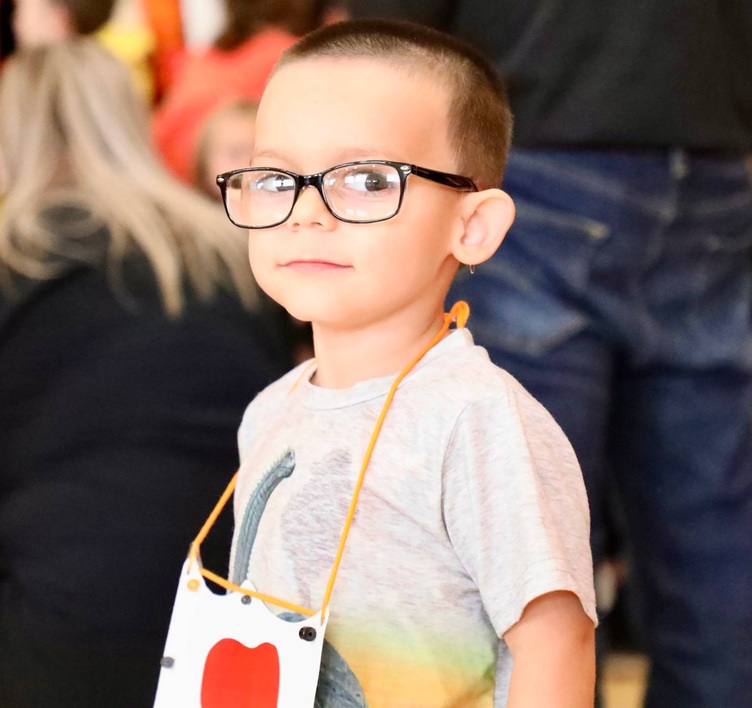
{"type": "Point", "coordinates": [259, 198]}
{"type": "Point", "coordinates": [362, 192]}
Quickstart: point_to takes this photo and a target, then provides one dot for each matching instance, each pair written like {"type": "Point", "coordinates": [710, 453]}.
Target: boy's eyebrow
{"type": "Point", "coordinates": [273, 154]}
{"type": "Point", "coordinates": [337, 158]}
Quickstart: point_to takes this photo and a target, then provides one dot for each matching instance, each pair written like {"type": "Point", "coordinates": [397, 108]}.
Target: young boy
{"type": "Point", "coordinates": [466, 578]}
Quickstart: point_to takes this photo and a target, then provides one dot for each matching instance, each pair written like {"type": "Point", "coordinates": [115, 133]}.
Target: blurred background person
{"type": "Point", "coordinates": [225, 142]}
{"type": "Point", "coordinates": [42, 22]}
{"type": "Point", "coordinates": [131, 340]}
{"type": "Point", "coordinates": [622, 295]}
{"type": "Point", "coordinates": [236, 66]}
{"type": "Point", "coordinates": [128, 35]}
{"type": "Point", "coordinates": [119, 25]}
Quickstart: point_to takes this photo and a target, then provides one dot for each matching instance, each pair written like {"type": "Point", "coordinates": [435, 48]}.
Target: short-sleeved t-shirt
{"type": "Point", "coordinates": [472, 506]}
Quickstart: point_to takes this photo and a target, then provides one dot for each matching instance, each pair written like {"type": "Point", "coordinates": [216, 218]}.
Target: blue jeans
{"type": "Point", "coordinates": [621, 299]}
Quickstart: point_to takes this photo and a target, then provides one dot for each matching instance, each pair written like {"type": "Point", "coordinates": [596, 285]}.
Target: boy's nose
{"type": "Point", "coordinates": [310, 210]}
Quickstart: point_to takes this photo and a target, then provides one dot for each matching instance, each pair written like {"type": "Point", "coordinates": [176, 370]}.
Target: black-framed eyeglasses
{"type": "Point", "coordinates": [361, 192]}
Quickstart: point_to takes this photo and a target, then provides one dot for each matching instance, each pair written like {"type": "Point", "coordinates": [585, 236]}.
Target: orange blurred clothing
{"type": "Point", "coordinates": [206, 82]}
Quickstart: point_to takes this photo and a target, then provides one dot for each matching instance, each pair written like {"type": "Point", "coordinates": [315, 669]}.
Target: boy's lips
{"type": "Point", "coordinates": [313, 264]}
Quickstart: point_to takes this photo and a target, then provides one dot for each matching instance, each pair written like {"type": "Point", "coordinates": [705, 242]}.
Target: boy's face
{"type": "Point", "coordinates": [40, 22]}
{"type": "Point", "coordinates": [318, 113]}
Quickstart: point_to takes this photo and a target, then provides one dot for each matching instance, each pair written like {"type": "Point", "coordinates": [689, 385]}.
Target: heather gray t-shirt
{"type": "Point", "coordinates": [473, 505]}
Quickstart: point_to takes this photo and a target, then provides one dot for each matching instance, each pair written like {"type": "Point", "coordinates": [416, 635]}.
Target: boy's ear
{"type": "Point", "coordinates": [486, 216]}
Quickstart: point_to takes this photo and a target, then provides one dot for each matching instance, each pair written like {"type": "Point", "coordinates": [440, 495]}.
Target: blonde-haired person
{"type": "Point", "coordinates": [74, 134]}
{"type": "Point", "coordinates": [130, 342]}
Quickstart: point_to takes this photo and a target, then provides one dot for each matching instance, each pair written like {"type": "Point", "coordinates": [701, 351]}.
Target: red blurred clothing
{"type": "Point", "coordinates": [206, 82]}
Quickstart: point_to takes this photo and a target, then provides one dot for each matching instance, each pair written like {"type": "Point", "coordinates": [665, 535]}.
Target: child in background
{"type": "Point", "coordinates": [466, 578]}
{"type": "Point", "coordinates": [224, 143]}
{"type": "Point", "coordinates": [236, 66]}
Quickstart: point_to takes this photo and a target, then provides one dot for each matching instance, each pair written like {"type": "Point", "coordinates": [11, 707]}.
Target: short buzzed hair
{"type": "Point", "coordinates": [479, 117]}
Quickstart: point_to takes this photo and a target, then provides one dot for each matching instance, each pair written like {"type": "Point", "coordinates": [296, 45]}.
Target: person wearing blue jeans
{"type": "Point", "coordinates": [621, 299]}
{"type": "Point", "coordinates": [622, 295]}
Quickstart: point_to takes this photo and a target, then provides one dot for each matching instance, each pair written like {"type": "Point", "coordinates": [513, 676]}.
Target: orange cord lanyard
{"type": "Point", "coordinates": [459, 314]}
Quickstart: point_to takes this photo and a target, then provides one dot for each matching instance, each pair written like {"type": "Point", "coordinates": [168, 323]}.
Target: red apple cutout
{"type": "Point", "coordinates": [237, 676]}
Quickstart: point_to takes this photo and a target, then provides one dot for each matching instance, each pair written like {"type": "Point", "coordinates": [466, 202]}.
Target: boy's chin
{"type": "Point", "coordinates": [333, 316]}
{"type": "Point", "coordinates": [308, 312]}
{"type": "Point", "coordinates": [299, 316]}
{"type": "Point", "coordinates": [316, 308]}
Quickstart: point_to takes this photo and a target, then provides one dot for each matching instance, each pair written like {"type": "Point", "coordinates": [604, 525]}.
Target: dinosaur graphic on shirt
{"type": "Point", "coordinates": [257, 502]}
{"type": "Point", "coordinates": [338, 686]}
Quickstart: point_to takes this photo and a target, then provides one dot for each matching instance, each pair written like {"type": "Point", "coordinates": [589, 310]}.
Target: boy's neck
{"type": "Point", "coordinates": [345, 357]}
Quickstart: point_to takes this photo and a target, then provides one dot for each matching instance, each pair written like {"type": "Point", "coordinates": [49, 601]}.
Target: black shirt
{"type": "Point", "coordinates": [647, 73]}
{"type": "Point", "coordinates": [118, 433]}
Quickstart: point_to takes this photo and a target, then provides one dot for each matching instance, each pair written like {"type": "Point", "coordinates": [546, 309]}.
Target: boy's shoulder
{"type": "Point", "coordinates": [461, 387]}
{"type": "Point", "coordinates": [459, 370]}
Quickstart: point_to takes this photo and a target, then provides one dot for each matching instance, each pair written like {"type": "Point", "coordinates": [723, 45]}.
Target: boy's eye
{"type": "Point", "coordinates": [271, 182]}
{"type": "Point", "coordinates": [370, 180]}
